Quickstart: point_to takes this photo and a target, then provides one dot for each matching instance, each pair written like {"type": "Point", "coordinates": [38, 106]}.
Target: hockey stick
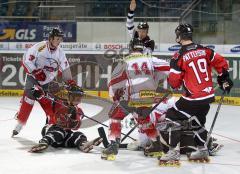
{"type": "Point", "coordinates": [107, 126]}
{"type": "Point", "coordinates": [153, 108]}
{"type": "Point", "coordinates": [215, 118]}
{"type": "Point", "coordinates": [105, 142]}
{"type": "Point", "coordinates": [102, 133]}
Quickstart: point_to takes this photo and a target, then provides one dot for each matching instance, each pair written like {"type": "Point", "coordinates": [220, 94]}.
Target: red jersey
{"type": "Point", "coordinates": [191, 68]}
{"type": "Point", "coordinates": [59, 111]}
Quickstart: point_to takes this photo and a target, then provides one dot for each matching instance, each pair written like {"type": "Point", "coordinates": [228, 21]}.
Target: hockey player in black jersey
{"type": "Point", "coordinates": [64, 119]}
{"type": "Point", "coordinates": [141, 32]}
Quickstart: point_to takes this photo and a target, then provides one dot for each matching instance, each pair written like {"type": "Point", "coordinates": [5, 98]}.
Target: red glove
{"type": "Point", "coordinates": [118, 94]}
{"type": "Point", "coordinates": [71, 83]}
{"type": "Point", "coordinates": [39, 74]}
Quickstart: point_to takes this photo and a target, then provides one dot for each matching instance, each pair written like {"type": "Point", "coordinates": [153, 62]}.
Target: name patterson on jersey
{"type": "Point", "coordinates": [194, 54]}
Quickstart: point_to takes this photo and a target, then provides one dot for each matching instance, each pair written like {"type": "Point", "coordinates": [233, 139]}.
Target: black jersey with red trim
{"type": "Point", "coordinates": [191, 67]}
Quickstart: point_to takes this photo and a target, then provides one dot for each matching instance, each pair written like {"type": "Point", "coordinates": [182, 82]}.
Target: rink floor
{"type": "Point", "coordinates": [15, 158]}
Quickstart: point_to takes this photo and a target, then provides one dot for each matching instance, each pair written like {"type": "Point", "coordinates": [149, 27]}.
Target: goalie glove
{"type": "Point", "coordinates": [224, 81]}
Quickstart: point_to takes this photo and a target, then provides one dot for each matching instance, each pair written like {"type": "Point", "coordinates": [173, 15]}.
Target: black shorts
{"type": "Point", "coordinates": [185, 109]}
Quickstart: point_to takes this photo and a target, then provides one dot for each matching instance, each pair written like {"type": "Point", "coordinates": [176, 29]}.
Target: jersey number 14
{"type": "Point", "coordinates": [142, 69]}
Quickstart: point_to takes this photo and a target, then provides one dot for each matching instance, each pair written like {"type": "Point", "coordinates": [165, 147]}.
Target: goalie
{"type": "Point", "coordinates": [187, 144]}
{"type": "Point", "coordinates": [64, 118]}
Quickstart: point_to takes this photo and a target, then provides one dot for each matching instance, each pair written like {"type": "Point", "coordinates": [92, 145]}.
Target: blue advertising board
{"type": "Point", "coordinates": [35, 31]}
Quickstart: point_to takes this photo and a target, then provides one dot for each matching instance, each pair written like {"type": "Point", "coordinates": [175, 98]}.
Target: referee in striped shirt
{"type": "Point", "coordinates": [141, 32]}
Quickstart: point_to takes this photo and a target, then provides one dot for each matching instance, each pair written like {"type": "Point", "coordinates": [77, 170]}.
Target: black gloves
{"type": "Point", "coordinates": [37, 91]}
{"type": "Point", "coordinates": [224, 81]}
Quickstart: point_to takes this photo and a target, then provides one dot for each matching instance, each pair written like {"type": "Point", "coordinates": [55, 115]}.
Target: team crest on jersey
{"type": "Point", "coordinates": [51, 65]}
{"type": "Point", "coordinates": [41, 48]}
{"type": "Point", "coordinates": [207, 89]}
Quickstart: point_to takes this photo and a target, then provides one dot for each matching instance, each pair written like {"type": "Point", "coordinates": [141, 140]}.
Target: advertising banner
{"type": "Point", "coordinates": [34, 31]}
{"type": "Point", "coordinates": [92, 71]}
{"type": "Point", "coordinates": [71, 47]}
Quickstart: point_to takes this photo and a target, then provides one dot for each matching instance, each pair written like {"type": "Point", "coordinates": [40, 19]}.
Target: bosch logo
{"type": "Point", "coordinates": [174, 48]}
{"type": "Point", "coordinates": [113, 46]}
{"type": "Point", "coordinates": [235, 49]}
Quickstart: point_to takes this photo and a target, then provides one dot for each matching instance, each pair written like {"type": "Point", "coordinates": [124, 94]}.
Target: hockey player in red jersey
{"type": "Point", "coordinates": [64, 118]}
{"type": "Point", "coordinates": [42, 62]}
{"type": "Point", "coordinates": [136, 74]}
{"type": "Point", "coordinates": [191, 68]}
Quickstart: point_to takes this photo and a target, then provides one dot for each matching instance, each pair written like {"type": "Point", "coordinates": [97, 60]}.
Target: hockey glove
{"type": "Point", "coordinates": [39, 74]}
{"type": "Point", "coordinates": [37, 92]}
{"type": "Point", "coordinates": [224, 81]}
{"type": "Point", "coordinates": [71, 83]}
{"type": "Point", "coordinates": [118, 94]}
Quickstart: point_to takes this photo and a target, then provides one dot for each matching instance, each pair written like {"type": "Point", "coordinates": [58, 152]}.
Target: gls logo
{"type": "Point", "coordinates": [20, 34]}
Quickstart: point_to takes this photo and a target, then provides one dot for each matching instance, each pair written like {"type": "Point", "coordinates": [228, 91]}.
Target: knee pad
{"type": "Point", "coordinates": [169, 125]}
{"type": "Point", "coordinates": [76, 139]}
{"type": "Point", "coordinates": [45, 129]}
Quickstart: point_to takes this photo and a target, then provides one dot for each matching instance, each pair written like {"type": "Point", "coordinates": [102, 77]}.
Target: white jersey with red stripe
{"type": "Point", "coordinates": [156, 116]}
{"type": "Point", "coordinates": [39, 56]}
{"type": "Point", "coordinates": [138, 73]}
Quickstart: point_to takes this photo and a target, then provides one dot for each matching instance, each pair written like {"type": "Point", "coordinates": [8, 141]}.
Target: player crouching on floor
{"type": "Point", "coordinates": [187, 144]}
{"type": "Point", "coordinates": [64, 118]}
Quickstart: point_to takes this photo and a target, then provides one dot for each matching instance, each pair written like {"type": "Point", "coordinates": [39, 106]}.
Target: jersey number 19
{"type": "Point", "coordinates": [199, 69]}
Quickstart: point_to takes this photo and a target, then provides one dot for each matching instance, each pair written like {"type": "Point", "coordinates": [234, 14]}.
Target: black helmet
{"type": "Point", "coordinates": [136, 45]}
{"type": "Point", "coordinates": [56, 32]}
{"type": "Point", "coordinates": [184, 31]}
{"type": "Point", "coordinates": [143, 25]}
